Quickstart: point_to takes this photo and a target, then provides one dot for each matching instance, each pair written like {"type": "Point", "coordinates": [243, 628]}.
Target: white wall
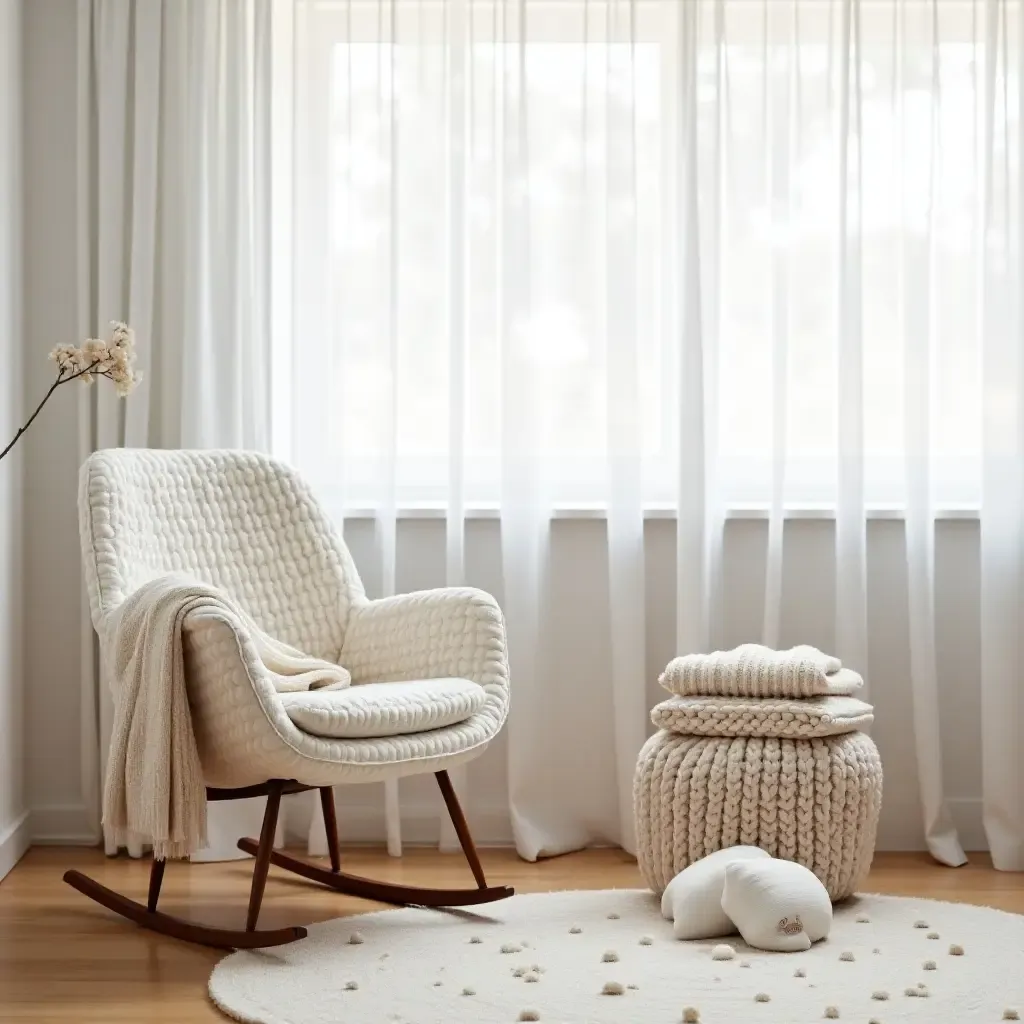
{"type": "Point", "coordinates": [51, 452]}
{"type": "Point", "coordinates": [54, 604]}
{"type": "Point", "coordinates": [14, 830]}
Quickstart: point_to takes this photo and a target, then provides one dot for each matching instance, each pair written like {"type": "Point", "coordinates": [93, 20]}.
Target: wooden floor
{"type": "Point", "coordinates": [64, 959]}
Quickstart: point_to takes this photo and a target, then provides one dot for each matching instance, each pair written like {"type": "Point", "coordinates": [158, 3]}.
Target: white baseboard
{"type": "Point", "coordinates": [63, 825]}
{"type": "Point", "coordinates": [421, 826]}
{"type": "Point", "coordinates": [71, 825]}
{"type": "Point", "coordinates": [902, 831]}
{"type": "Point", "coordinates": [969, 821]}
{"type": "Point", "coordinates": [14, 841]}
{"type": "Point", "coordinates": [492, 827]}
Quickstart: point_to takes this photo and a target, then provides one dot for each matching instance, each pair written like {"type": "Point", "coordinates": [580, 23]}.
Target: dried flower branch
{"type": "Point", "coordinates": [113, 359]}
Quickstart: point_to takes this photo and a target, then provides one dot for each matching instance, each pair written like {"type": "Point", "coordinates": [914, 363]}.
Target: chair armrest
{"type": "Point", "coordinates": [455, 631]}
{"type": "Point", "coordinates": [240, 725]}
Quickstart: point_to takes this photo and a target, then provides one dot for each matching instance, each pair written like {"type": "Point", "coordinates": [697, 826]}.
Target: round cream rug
{"type": "Point", "coordinates": [608, 957]}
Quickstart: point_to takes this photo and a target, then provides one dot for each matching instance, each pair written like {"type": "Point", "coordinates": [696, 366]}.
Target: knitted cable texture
{"type": "Point", "coordinates": [752, 670]}
{"type": "Point", "coordinates": [813, 801]}
{"type": "Point", "coordinates": [745, 716]}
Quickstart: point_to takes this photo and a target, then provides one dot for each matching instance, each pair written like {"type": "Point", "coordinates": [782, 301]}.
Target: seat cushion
{"type": "Point", "coordinates": [384, 709]}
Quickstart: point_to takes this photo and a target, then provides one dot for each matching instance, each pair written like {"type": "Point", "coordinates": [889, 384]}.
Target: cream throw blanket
{"type": "Point", "coordinates": [154, 790]}
{"type": "Point", "coordinates": [751, 670]}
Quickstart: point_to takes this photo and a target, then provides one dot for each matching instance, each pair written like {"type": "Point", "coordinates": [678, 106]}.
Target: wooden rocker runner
{"type": "Point", "coordinates": [263, 850]}
{"type": "Point", "coordinates": [429, 670]}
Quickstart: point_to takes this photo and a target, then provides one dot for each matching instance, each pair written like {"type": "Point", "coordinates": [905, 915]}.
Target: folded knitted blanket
{"type": "Point", "coordinates": [751, 670]}
{"type": "Point", "coordinates": [799, 718]}
{"type": "Point", "coordinates": [154, 789]}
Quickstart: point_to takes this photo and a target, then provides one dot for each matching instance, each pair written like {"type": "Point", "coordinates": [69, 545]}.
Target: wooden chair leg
{"type": "Point", "coordinates": [331, 826]}
{"type": "Point", "coordinates": [263, 853]}
{"type": "Point", "coordinates": [156, 880]}
{"type": "Point", "coordinates": [388, 892]}
{"type": "Point", "coordinates": [451, 801]}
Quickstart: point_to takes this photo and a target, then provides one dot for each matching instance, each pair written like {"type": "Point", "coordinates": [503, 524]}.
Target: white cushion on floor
{"type": "Point", "coordinates": [776, 904]}
{"type": "Point", "coordinates": [693, 899]}
{"type": "Point", "coordinates": [384, 709]}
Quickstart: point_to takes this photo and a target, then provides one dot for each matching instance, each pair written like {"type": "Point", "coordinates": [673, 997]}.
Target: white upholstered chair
{"type": "Point", "coordinates": [429, 670]}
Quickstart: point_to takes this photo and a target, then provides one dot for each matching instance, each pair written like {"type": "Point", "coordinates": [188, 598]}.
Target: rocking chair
{"type": "Point", "coordinates": [429, 670]}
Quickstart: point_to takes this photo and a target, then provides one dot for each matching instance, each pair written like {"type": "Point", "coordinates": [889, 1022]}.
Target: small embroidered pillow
{"type": "Point", "coordinates": [776, 904]}
{"type": "Point", "coordinates": [693, 899]}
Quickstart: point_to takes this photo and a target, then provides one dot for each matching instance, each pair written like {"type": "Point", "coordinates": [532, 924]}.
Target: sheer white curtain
{"type": "Point", "coordinates": [174, 237]}
{"type": "Point", "coordinates": [630, 255]}
{"type": "Point", "coordinates": [473, 183]}
{"type": "Point", "coordinates": [998, 165]}
{"type": "Point", "coordinates": [524, 257]}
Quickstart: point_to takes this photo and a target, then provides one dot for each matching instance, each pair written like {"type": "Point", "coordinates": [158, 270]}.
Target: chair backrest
{"type": "Point", "coordinates": [237, 520]}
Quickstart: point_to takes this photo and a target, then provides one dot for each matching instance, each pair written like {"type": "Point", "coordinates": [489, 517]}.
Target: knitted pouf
{"type": "Point", "coordinates": [813, 801]}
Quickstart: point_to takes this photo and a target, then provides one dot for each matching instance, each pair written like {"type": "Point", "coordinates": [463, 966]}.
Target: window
{"type": "Point", "coordinates": [490, 203]}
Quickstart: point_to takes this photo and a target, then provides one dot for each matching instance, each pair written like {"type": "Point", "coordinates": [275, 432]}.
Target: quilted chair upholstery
{"type": "Point", "coordinates": [249, 526]}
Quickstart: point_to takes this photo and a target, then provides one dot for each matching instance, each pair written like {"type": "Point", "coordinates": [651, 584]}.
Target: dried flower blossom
{"type": "Point", "coordinates": [113, 358]}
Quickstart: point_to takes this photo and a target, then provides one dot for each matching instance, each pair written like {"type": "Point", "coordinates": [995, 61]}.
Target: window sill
{"type": "Point", "coordinates": [746, 511]}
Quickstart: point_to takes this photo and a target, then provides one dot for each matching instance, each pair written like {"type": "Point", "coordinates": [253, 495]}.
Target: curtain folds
{"type": "Point", "coordinates": [999, 264]}
{"type": "Point", "coordinates": [512, 257]}
{"type": "Point", "coordinates": [173, 200]}
{"type": "Point", "coordinates": [699, 255]}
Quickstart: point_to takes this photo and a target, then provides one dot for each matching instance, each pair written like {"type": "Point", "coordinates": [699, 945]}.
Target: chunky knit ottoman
{"type": "Point", "coordinates": [814, 801]}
